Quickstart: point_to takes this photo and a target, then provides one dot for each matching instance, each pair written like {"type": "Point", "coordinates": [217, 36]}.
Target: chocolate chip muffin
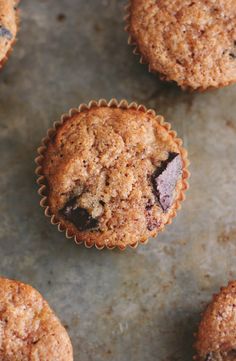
{"type": "Point", "coordinates": [190, 42]}
{"type": "Point", "coordinates": [8, 27]}
{"type": "Point", "coordinates": [112, 175]}
{"type": "Point", "coordinates": [216, 338]}
{"type": "Point", "coordinates": [29, 330]}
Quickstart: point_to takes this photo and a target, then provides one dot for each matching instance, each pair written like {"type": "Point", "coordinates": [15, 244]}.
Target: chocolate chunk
{"type": "Point", "coordinates": [5, 33]}
{"type": "Point", "coordinates": [165, 179]}
{"type": "Point", "coordinates": [79, 216]}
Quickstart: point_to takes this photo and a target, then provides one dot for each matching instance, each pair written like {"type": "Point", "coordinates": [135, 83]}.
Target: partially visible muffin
{"type": "Point", "coordinates": [190, 42]}
{"type": "Point", "coordinates": [29, 330]}
{"type": "Point", "coordinates": [216, 338]}
{"type": "Point", "coordinates": [8, 27]}
{"type": "Point", "coordinates": [113, 176]}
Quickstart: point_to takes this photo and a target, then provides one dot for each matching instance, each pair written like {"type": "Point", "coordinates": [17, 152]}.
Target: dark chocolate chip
{"type": "Point", "coordinates": [5, 33]}
{"type": "Point", "coordinates": [164, 180]}
{"type": "Point", "coordinates": [79, 216]}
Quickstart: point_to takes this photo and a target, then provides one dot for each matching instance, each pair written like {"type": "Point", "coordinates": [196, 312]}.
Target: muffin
{"type": "Point", "coordinates": [8, 27]}
{"type": "Point", "coordinates": [29, 329]}
{"type": "Point", "coordinates": [111, 174]}
{"type": "Point", "coordinates": [190, 42]}
{"type": "Point", "coordinates": [216, 338]}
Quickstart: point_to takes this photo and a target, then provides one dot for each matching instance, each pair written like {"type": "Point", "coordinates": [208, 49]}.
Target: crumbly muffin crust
{"type": "Point", "coordinates": [8, 27]}
{"type": "Point", "coordinates": [113, 175]}
{"type": "Point", "coordinates": [216, 338]}
{"type": "Point", "coordinates": [190, 42]}
{"type": "Point", "coordinates": [29, 331]}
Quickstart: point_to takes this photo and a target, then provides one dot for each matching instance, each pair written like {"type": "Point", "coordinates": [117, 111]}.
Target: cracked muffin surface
{"type": "Point", "coordinates": [216, 338]}
{"type": "Point", "coordinates": [113, 175]}
{"type": "Point", "coordinates": [29, 331]}
{"type": "Point", "coordinates": [8, 26]}
{"type": "Point", "coordinates": [190, 42]}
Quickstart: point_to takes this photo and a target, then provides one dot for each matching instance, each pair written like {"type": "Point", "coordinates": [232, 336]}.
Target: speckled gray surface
{"type": "Point", "coordinates": [140, 305]}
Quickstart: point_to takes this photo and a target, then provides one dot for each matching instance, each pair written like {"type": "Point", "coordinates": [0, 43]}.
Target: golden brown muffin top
{"type": "Point", "coordinates": [8, 26]}
{"type": "Point", "coordinates": [216, 339]}
{"type": "Point", "coordinates": [190, 42]}
{"type": "Point", "coordinates": [102, 168]}
{"type": "Point", "coordinates": [29, 331]}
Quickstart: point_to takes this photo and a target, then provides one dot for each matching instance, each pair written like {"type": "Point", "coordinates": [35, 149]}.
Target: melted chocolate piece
{"type": "Point", "coordinates": [165, 178]}
{"type": "Point", "coordinates": [5, 33]}
{"type": "Point", "coordinates": [79, 216]}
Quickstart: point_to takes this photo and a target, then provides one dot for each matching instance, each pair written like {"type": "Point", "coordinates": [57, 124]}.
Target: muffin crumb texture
{"type": "Point", "coordinates": [8, 27]}
{"type": "Point", "coordinates": [29, 330]}
{"type": "Point", "coordinates": [216, 339]}
{"type": "Point", "coordinates": [190, 42]}
{"type": "Point", "coordinates": [113, 175]}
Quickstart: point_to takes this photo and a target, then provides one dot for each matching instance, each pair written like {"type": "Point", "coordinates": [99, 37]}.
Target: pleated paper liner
{"type": "Point", "coordinates": [42, 182]}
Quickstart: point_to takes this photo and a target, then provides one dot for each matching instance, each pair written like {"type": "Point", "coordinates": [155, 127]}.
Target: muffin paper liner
{"type": "Point", "coordinates": [113, 103]}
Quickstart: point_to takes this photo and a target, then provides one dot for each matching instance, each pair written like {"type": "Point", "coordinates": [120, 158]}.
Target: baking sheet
{"type": "Point", "coordinates": [136, 305]}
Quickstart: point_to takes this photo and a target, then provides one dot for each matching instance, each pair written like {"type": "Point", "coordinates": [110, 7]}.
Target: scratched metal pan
{"type": "Point", "coordinates": [141, 304]}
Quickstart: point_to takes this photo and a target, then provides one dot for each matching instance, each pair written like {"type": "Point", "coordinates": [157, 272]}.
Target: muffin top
{"type": "Point", "coordinates": [190, 42]}
{"type": "Point", "coordinates": [216, 339]}
{"type": "Point", "coordinates": [8, 26]}
{"type": "Point", "coordinates": [29, 330]}
{"type": "Point", "coordinates": [113, 175]}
